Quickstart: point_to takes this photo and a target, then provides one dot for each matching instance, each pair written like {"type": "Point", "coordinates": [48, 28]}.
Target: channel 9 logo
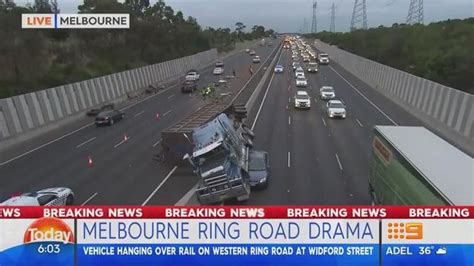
{"type": "Point", "coordinates": [410, 231]}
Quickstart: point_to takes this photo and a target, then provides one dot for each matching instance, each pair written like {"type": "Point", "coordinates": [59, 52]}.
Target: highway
{"type": "Point", "coordinates": [315, 159]}
{"type": "Point", "coordinates": [123, 171]}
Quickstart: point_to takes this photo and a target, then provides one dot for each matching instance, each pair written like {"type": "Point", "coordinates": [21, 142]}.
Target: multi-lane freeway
{"type": "Point", "coordinates": [122, 172]}
{"type": "Point", "coordinates": [314, 159]}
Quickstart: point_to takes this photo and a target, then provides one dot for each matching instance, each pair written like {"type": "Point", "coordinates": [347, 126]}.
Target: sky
{"type": "Point", "coordinates": [289, 15]}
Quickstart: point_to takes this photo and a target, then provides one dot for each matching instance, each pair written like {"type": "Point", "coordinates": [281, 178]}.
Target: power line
{"type": "Point", "coordinates": [359, 14]}
{"type": "Point", "coordinates": [415, 12]}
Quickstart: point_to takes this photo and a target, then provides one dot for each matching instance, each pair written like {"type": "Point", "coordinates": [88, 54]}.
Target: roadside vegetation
{"type": "Point", "coordinates": [442, 52]}
{"type": "Point", "coordinates": [32, 60]}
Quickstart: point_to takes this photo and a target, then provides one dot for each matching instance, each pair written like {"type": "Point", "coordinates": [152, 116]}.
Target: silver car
{"type": "Point", "coordinates": [327, 93]}
{"type": "Point", "coordinates": [336, 108]}
{"type": "Point", "coordinates": [259, 168]}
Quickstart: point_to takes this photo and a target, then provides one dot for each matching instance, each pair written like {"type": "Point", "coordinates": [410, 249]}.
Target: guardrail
{"type": "Point", "coordinates": [25, 113]}
{"type": "Point", "coordinates": [448, 111]}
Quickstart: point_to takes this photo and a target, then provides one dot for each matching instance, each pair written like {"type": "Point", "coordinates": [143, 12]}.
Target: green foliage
{"type": "Point", "coordinates": [31, 60]}
{"type": "Point", "coordinates": [442, 51]}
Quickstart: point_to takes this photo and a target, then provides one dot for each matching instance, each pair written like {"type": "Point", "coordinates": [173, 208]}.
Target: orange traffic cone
{"type": "Point", "coordinates": [90, 163]}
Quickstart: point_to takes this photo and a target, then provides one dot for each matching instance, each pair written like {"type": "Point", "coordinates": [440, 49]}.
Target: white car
{"type": "Point", "coordinates": [336, 108]}
{"type": "Point", "coordinates": [312, 67]}
{"type": "Point", "coordinates": [58, 196]}
{"type": "Point", "coordinates": [219, 64]}
{"type": "Point", "coordinates": [278, 69]}
{"type": "Point", "coordinates": [301, 81]}
{"type": "Point", "coordinates": [299, 72]}
{"type": "Point", "coordinates": [247, 50]}
{"type": "Point", "coordinates": [306, 58]}
{"type": "Point", "coordinates": [323, 58]}
{"type": "Point", "coordinates": [192, 76]}
{"type": "Point", "coordinates": [252, 52]}
{"type": "Point", "coordinates": [327, 93]}
{"type": "Point", "coordinates": [218, 71]}
{"type": "Point", "coordinates": [302, 100]}
{"type": "Point", "coordinates": [296, 65]}
{"type": "Point", "coordinates": [256, 59]}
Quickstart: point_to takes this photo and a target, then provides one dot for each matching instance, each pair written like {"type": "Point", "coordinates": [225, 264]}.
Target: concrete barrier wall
{"type": "Point", "coordinates": [23, 113]}
{"type": "Point", "coordinates": [448, 110]}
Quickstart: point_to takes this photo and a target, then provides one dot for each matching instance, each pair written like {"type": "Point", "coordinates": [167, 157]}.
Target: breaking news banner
{"type": "Point", "coordinates": [273, 235]}
{"type": "Point", "coordinates": [75, 21]}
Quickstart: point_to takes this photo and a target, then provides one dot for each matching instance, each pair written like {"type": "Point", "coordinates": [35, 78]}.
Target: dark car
{"type": "Point", "coordinates": [96, 111]}
{"type": "Point", "coordinates": [259, 169]}
{"type": "Point", "coordinates": [109, 117]}
{"type": "Point", "coordinates": [189, 86]}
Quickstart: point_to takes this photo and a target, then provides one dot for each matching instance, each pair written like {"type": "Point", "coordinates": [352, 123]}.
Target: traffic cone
{"type": "Point", "coordinates": [157, 116]}
{"type": "Point", "coordinates": [125, 137]}
{"type": "Point", "coordinates": [90, 163]}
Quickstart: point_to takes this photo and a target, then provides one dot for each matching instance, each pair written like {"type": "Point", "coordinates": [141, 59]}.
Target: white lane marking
{"type": "Point", "coordinates": [289, 120]}
{"type": "Point", "coordinates": [79, 129]}
{"type": "Point", "coordinates": [85, 142]}
{"type": "Point", "coordinates": [167, 113]}
{"type": "Point", "coordinates": [156, 143]}
{"type": "Point", "coordinates": [122, 142]}
{"type": "Point", "coordinates": [139, 113]}
{"type": "Point", "coordinates": [171, 96]}
{"type": "Point", "coordinates": [365, 97]}
{"type": "Point", "coordinates": [358, 122]}
{"type": "Point", "coordinates": [339, 162]}
{"type": "Point", "coordinates": [89, 199]}
{"type": "Point", "coordinates": [187, 197]}
{"type": "Point", "coordinates": [265, 97]}
{"type": "Point", "coordinates": [316, 101]}
{"type": "Point", "coordinates": [159, 186]}
{"type": "Point", "coordinates": [289, 99]}
{"type": "Point", "coordinates": [324, 122]}
{"type": "Point", "coordinates": [46, 144]}
{"type": "Point", "coordinates": [289, 159]}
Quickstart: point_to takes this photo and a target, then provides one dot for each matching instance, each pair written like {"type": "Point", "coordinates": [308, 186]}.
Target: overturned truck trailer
{"type": "Point", "coordinates": [216, 143]}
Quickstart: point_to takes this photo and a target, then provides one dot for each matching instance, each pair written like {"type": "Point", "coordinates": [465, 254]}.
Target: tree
{"type": "Point", "coordinates": [239, 27]}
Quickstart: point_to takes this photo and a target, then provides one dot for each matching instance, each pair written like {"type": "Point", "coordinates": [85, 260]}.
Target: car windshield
{"type": "Point", "coordinates": [336, 105]}
{"type": "Point", "coordinates": [313, 64]}
{"type": "Point", "coordinates": [302, 97]}
{"type": "Point", "coordinates": [323, 55]}
{"type": "Point", "coordinates": [257, 163]}
{"type": "Point", "coordinates": [328, 90]}
{"type": "Point", "coordinates": [300, 78]}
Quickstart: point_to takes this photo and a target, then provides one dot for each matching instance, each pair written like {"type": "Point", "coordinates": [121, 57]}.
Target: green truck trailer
{"type": "Point", "coordinates": [413, 166]}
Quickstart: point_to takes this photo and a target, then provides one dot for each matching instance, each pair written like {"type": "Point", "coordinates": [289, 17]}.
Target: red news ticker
{"type": "Point", "coordinates": [248, 212]}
